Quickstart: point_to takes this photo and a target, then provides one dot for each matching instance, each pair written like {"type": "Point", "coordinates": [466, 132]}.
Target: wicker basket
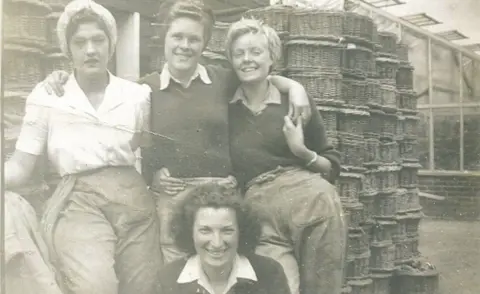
{"type": "Point", "coordinates": [387, 70]}
{"type": "Point", "coordinates": [22, 67]}
{"type": "Point", "coordinates": [409, 175]}
{"type": "Point", "coordinates": [416, 281]}
{"type": "Point", "coordinates": [57, 61]}
{"type": "Point", "coordinates": [389, 152]}
{"type": "Point", "coordinates": [387, 178]}
{"type": "Point", "coordinates": [388, 43]}
{"type": "Point", "coordinates": [322, 87]}
{"type": "Point", "coordinates": [402, 201]}
{"type": "Point", "coordinates": [382, 256]}
{"type": "Point", "coordinates": [375, 123]}
{"type": "Point", "coordinates": [388, 126]}
{"type": "Point", "coordinates": [308, 55]}
{"type": "Point", "coordinates": [346, 290]}
{"type": "Point", "coordinates": [383, 231]}
{"type": "Point", "coordinates": [358, 28]}
{"type": "Point", "coordinates": [411, 126]}
{"type": "Point", "coordinates": [385, 205]}
{"type": "Point", "coordinates": [219, 35]}
{"type": "Point", "coordinates": [374, 96]}
{"type": "Point", "coordinates": [357, 243]}
{"type": "Point", "coordinates": [408, 101]}
{"type": "Point", "coordinates": [51, 28]}
{"type": "Point", "coordinates": [402, 255]}
{"type": "Point", "coordinates": [358, 266]}
{"type": "Point", "coordinates": [276, 16]}
{"type": "Point", "coordinates": [413, 200]}
{"type": "Point", "coordinates": [349, 186]}
{"type": "Point", "coordinates": [368, 201]}
{"type": "Point", "coordinates": [358, 62]}
{"type": "Point", "coordinates": [412, 248]}
{"type": "Point", "coordinates": [389, 98]}
{"type": "Point", "coordinates": [355, 211]}
{"type": "Point", "coordinates": [381, 282]}
{"type": "Point", "coordinates": [402, 52]}
{"type": "Point", "coordinates": [409, 150]}
{"type": "Point", "coordinates": [399, 129]}
{"type": "Point", "coordinates": [413, 223]}
{"type": "Point", "coordinates": [363, 286]}
{"type": "Point", "coordinates": [352, 149]}
{"type": "Point", "coordinates": [353, 121]}
{"type": "Point", "coordinates": [353, 92]}
{"type": "Point", "coordinates": [329, 116]}
{"type": "Point", "coordinates": [209, 57]}
{"type": "Point", "coordinates": [405, 77]}
{"type": "Point", "coordinates": [157, 56]}
{"type": "Point", "coordinates": [372, 151]}
{"type": "Point", "coordinates": [370, 181]}
{"type": "Point", "coordinates": [317, 24]}
{"type": "Point", "coordinates": [400, 233]}
{"type": "Point", "coordinates": [26, 21]}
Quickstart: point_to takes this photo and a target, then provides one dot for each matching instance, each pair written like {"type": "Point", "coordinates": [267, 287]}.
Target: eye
{"type": "Point", "coordinates": [194, 40]}
{"type": "Point", "coordinates": [78, 42]}
{"type": "Point", "coordinates": [204, 230]}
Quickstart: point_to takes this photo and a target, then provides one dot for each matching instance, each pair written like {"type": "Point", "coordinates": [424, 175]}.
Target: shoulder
{"type": "Point", "coordinates": [39, 96]}
{"type": "Point", "coordinates": [170, 272]}
{"type": "Point", "coordinates": [218, 71]}
{"type": "Point", "coordinates": [152, 80]}
{"type": "Point", "coordinates": [138, 93]}
{"type": "Point", "coordinates": [264, 265]}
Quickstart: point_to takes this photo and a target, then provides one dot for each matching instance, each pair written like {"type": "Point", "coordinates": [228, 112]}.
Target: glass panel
{"type": "Point", "coordinates": [424, 138]}
{"type": "Point", "coordinates": [446, 138]}
{"type": "Point", "coordinates": [418, 57]}
{"type": "Point", "coordinates": [471, 138]}
{"type": "Point", "coordinates": [471, 74]}
{"type": "Point", "coordinates": [445, 75]}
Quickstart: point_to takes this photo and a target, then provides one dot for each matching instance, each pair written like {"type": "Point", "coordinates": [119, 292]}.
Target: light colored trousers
{"type": "Point", "coordinates": [303, 228]}
{"type": "Point", "coordinates": [165, 207]}
{"type": "Point", "coordinates": [103, 233]}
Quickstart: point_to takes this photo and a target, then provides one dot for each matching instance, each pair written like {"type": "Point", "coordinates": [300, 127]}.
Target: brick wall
{"type": "Point", "coordinates": [461, 192]}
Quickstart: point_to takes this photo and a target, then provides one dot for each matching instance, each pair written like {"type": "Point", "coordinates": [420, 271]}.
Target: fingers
{"type": "Point", "coordinates": [299, 122]}
{"type": "Point", "coordinates": [290, 110]}
{"type": "Point", "coordinates": [164, 172]}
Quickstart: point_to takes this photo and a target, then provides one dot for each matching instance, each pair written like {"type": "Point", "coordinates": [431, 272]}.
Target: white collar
{"type": "Point", "coordinates": [166, 76]}
{"type": "Point", "coordinates": [273, 96]}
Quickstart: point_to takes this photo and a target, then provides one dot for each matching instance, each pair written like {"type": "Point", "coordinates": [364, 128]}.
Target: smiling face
{"type": "Point", "coordinates": [251, 58]}
{"type": "Point", "coordinates": [89, 49]}
{"type": "Point", "coordinates": [184, 43]}
{"type": "Point", "coordinates": [215, 236]}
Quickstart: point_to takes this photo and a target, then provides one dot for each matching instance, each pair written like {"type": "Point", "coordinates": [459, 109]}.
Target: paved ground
{"type": "Point", "coordinates": [454, 248]}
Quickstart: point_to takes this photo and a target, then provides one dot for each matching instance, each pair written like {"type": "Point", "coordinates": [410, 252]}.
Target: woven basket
{"type": "Point", "coordinates": [415, 281]}
{"type": "Point", "coordinates": [353, 121]}
{"type": "Point", "coordinates": [322, 87]}
{"type": "Point", "coordinates": [385, 205]}
{"type": "Point", "coordinates": [219, 35]}
{"type": "Point", "coordinates": [376, 121]}
{"type": "Point", "coordinates": [381, 282]}
{"type": "Point", "coordinates": [388, 43]}
{"type": "Point", "coordinates": [368, 201]}
{"type": "Point", "coordinates": [383, 231]}
{"type": "Point", "coordinates": [353, 92]}
{"type": "Point", "coordinates": [157, 56]}
{"type": "Point", "coordinates": [317, 24]}
{"type": "Point", "coordinates": [26, 21]}
{"type": "Point", "coordinates": [411, 126]}
{"type": "Point", "coordinates": [209, 57]}
{"type": "Point", "coordinates": [358, 266]}
{"type": "Point", "coordinates": [412, 247]}
{"type": "Point", "coordinates": [400, 233]}
{"type": "Point", "coordinates": [22, 67]}
{"type": "Point", "coordinates": [400, 129]}
{"type": "Point", "coordinates": [373, 94]}
{"type": "Point", "coordinates": [413, 224]}
{"type": "Point", "coordinates": [357, 243]}
{"type": "Point", "coordinates": [358, 28]}
{"type": "Point", "coordinates": [388, 126]}
{"type": "Point", "coordinates": [51, 29]}
{"type": "Point", "coordinates": [309, 55]}
{"type": "Point", "coordinates": [349, 186]}
{"type": "Point", "coordinates": [387, 70]}
{"type": "Point", "coordinates": [389, 152]}
{"type": "Point", "coordinates": [389, 98]}
{"type": "Point", "coordinates": [413, 200]}
{"type": "Point", "coordinates": [370, 181]}
{"type": "Point", "coordinates": [402, 255]}
{"type": "Point", "coordinates": [372, 151]}
{"type": "Point", "coordinates": [387, 178]}
{"type": "Point", "coordinates": [404, 79]}
{"type": "Point", "coordinates": [402, 52]}
{"type": "Point", "coordinates": [409, 150]}
{"type": "Point", "coordinates": [57, 61]}
{"type": "Point", "coordinates": [329, 116]}
{"type": "Point", "coordinates": [363, 286]}
{"type": "Point", "coordinates": [382, 257]}
{"type": "Point", "coordinates": [409, 175]}
{"type": "Point", "coordinates": [358, 62]}
{"type": "Point", "coordinates": [276, 16]}
{"type": "Point", "coordinates": [346, 290]}
{"type": "Point", "coordinates": [355, 211]}
{"type": "Point", "coordinates": [402, 201]}
{"type": "Point", "coordinates": [352, 149]}
{"type": "Point", "coordinates": [408, 101]}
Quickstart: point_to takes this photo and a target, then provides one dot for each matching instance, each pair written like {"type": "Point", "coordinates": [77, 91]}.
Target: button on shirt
{"type": "Point", "coordinates": [242, 269]}
{"type": "Point", "coordinates": [80, 138]}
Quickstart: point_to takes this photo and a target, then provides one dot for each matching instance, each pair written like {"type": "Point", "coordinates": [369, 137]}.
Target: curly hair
{"type": "Point", "coordinates": [216, 196]}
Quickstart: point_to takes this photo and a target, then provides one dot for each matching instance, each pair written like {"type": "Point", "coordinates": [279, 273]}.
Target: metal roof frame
{"type": "Point", "coordinates": [421, 19]}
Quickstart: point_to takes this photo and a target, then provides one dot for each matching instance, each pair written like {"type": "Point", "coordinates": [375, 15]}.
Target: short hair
{"type": "Point", "coordinates": [86, 16]}
{"type": "Point", "coordinates": [254, 26]}
{"type": "Point", "coordinates": [193, 9]}
{"type": "Point", "coordinates": [215, 196]}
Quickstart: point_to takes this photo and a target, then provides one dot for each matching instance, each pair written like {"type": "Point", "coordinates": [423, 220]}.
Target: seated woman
{"type": "Point", "coordinates": [218, 231]}
{"type": "Point", "coordinates": [100, 224]}
{"type": "Point", "coordinates": [284, 167]}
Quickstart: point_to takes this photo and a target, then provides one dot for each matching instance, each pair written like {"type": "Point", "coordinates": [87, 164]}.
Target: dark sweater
{"type": "Point", "coordinates": [194, 122]}
{"type": "Point", "coordinates": [258, 145]}
{"type": "Point", "coordinates": [271, 279]}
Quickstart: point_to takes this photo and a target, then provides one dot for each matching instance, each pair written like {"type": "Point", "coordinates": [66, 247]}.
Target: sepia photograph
{"type": "Point", "coordinates": [239, 147]}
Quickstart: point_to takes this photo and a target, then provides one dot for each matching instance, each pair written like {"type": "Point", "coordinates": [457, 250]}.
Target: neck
{"type": "Point", "coordinates": [182, 75]}
{"type": "Point", "coordinates": [92, 83]}
{"type": "Point", "coordinates": [217, 275]}
{"type": "Point", "coordinates": [255, 92]}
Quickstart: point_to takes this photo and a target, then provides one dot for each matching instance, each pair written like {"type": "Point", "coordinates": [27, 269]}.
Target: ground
{"type": "Point", "coordinates": [454, 248]}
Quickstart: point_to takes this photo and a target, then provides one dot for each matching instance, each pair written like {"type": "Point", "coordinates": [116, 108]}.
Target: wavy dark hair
{"type": "Point", "coordinates": [216, 196]}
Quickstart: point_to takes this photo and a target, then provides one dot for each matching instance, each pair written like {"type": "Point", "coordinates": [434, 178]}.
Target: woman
{"type": "Point", "coordinates": [284, 167]}
{"type": "Point", "coordinates": [100, 224]}
{"type": "Point", "coordinates": [189, 113]}
{"type": "Point", "coordinates": [218, 232]}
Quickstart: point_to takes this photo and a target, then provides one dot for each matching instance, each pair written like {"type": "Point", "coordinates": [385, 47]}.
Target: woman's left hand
{"type": "Point", "coordinates": [294, 135]}
{"type": "Point", "coordinates": [299, 106]}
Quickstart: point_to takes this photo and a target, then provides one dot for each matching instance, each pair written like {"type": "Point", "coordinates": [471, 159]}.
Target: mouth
{"type": "Point", "coordinates": [248, 68]}
{"type": "Point", "coordinates": [91, 62]}
{"type": "Point", "coordinates": [216, 253]}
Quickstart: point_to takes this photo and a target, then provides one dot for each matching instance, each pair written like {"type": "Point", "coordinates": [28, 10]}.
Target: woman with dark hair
{"type": "Point", "coordinates": [218, 232]}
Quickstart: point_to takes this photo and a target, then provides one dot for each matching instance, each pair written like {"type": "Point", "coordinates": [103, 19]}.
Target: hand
{"type": "Point", "coordinates": [53, 84]}
{"type": "Point", "coordinates": [299, 106]}
{"type": "Point", "coordinates": [294, 135]}
{"type": "Point", "coordinates": [162, 181]}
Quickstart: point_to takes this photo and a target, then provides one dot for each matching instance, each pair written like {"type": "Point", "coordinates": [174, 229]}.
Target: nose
{"type": "Point", "coordinates": [246, 56]}
{"type": "Point", "coordinates": [217, 240]}
{"type": "Point", "coordinates": [184, 43]}
{"type": "Point", "coordinates": [90, 48]}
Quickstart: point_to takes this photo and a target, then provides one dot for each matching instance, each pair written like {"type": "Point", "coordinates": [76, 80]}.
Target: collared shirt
{"type": "Point", "coordinates": [242, 269]}
{"type": "Point", "coordinates": [273, 96]}
{"type": "Point", "coordinates": [81, 138]}
{"type": "Point", "coordinates": [200, 72]}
